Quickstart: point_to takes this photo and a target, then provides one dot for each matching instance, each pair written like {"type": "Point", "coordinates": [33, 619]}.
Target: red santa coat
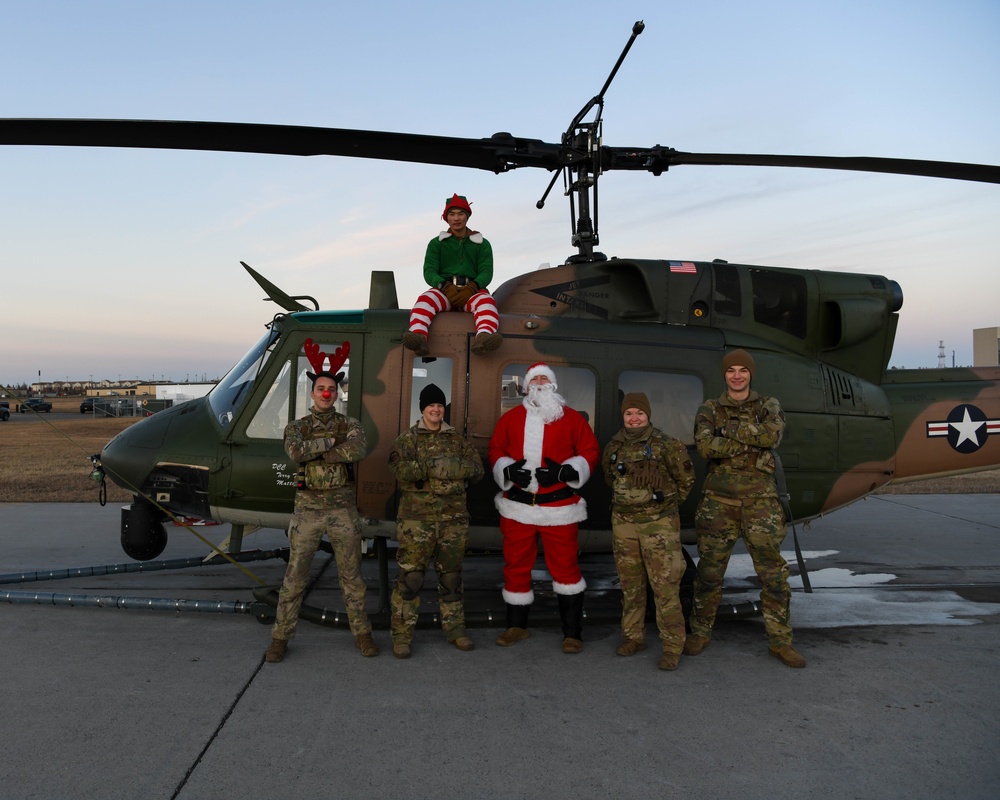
{"type": "Point", "coordinates": [568, 440]}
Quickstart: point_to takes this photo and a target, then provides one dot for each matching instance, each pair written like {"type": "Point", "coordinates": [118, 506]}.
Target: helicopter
{"type": "Point", "coordinates": [607, 326]}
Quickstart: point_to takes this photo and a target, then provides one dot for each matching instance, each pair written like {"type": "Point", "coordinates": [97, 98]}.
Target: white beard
{"type": "Point", "coordinates": [542, 400]}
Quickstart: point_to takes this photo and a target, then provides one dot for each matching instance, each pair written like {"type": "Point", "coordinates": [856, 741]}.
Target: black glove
{"type": "Point", "coordinates": [516, 474]}
{"type": "Point", "coordinates": [554, 472]}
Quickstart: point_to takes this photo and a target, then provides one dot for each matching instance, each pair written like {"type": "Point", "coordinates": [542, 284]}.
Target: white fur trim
{"type": "Point", "coordinates": [581, 466]}
{"type": "Point", "coordinates": [444, 235]}
{"type": "Point", "coordinates": [534, 435]}
{"type": "Point", "coordinates": [539, 369]}
{"type": "Point", "coordinates": [569, 588]}
{"type": "Point", "coordinates": [476, 237]}
{"type": "Point", "coordinates": [542, 516]}
{"type": "Point", "coordinates": [518, 598]}
{"type": "Point", "coordinates": [502, 463]}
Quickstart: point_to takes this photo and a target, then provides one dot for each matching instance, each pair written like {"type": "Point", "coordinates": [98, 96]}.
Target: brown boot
{"type": "Point", "coordinates": [630, 647]}
{"type": "Point", "coordinates": [401, 649]}
{"type": "Point", "coordinates": [572, 646]}
{"type": "Point", "coordinates": [788, 656]}
{"type": "Point", "coordinates": [463, 643]}
{"type": "Point", "coordinates": [512, 636]}
{"type": "Point", "coordinates": [366, 644]}
{"type": "Point", "coordinates": [486, 342]}
{"type": "Point", "coordinates": [416, 342]}
{"type": "Point", "coordinates": [669, 661]}
{"type": "Point", "coordinates": [276, 652]}
{"type": "Point", "coordinates": [695, 644]}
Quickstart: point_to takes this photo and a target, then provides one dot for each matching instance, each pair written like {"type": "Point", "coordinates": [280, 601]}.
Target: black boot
{"type": "Point", "coordinates": [517, 616]}
{"type": "Point", "coordinates": [571, 613]}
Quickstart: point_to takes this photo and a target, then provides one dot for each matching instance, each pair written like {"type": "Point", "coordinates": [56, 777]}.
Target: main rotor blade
{"type": "Point", "coordinates": [659, 159]}
{"type": "Point", "coordinates": [493, 154]}
{"type": "Point", "coordinates": [499, 153]}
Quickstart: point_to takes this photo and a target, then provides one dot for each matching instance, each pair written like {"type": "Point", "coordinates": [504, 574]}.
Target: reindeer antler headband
{"type": "Point", "coordinates": [317, 358]}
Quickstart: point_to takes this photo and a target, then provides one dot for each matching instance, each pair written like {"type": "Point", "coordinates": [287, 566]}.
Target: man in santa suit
{"type": "Point", "coordinates": [541, 453]}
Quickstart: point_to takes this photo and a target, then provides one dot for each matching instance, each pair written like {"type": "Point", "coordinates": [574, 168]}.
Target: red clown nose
{"type": "Point", "coordinates": [327, 395]}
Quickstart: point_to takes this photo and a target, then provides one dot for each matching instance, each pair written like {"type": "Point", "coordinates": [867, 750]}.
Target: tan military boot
{"type": "Point", "coordinates": [401, 649]}
{"type": "Point", "coordinates": [486, 342]}
{"type": "Point", "coordinates": [366, 644]}
{"type": "Point", "coordinates": [512, 636]}
{"type": "Point", "coordinates": [630, 647]}
{"type": "Point", "coordinates": [416, 342]}
{"type": "Point", "coordinates": [276, 652]}
{"type": "Point", "coordinates": [669, 661]}
{"type": "Point", "coordinates": [463, 643]}
{"type": "Point", "coordinates": [788, 656]}
{"type": "Point", "coordinates": [572, 646]}
{"type": "Point", "coordinates": [695, 644]}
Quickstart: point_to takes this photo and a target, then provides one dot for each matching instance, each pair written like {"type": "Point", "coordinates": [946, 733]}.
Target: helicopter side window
{"type": "Point", "coordinates": [232, 391]}
{"type": "Point", "coordinates": [437, 371]}
{"type": "Point", "coordinates": [577, 384]}
{"type": "Point", "coordinates": [779, 301]}
{"type": "Point", "coordinates": [303, 386]}
{"type": "Point", "coordinates": [673, 399]}
{"type": "Point", "coordinates": [726, 297]}
{"type": "Point", "coordinates": [271, 418]}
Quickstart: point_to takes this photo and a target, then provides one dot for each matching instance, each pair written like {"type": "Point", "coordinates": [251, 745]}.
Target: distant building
{"type": "Point", "coordinates": [986, 347]}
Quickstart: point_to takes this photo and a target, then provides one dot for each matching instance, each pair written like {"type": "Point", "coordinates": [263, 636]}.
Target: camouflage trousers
{"type": "Point", "coordinates": [419, 542]}
{"type": "Point", "coordinates": [761, 523]}
{"type": "Point", "coordinates": [650, 550]}
{"type": "Point", "coordinates": [343, 528]}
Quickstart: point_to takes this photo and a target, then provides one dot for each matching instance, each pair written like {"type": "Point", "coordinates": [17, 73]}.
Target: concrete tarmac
{"type": "Point", "coordinates": [899, 699]}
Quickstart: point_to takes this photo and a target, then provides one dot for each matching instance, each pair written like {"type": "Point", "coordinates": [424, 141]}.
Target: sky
{"type": "Point", "coordinates": [124, 264]}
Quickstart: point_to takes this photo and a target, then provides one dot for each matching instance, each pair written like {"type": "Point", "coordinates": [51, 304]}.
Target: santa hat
{"type": "Point", "coordinates": [539, 369]}
{"type": "Point", "coordinates": [456, 201]}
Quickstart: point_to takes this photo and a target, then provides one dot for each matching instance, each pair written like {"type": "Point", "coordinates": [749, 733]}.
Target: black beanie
{"type": "Point", "coordinates": [430, 394]}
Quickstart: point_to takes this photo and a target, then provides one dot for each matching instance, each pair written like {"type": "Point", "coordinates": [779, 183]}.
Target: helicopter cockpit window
{"type": "Point", "coordinates": [576, 384]}
{"type": "Point", "coordinates": [303, 386]}
{"type": "Point", "coordinates": [437, 371]}
{"type": "Point", "coordinates": [673, 399]}
{"type": "Point", "coordinates": [229, 395]}
{"type": "Point", "coordinates": [270, 419]}
{"type": "Point", "coordinates": [779, 300]}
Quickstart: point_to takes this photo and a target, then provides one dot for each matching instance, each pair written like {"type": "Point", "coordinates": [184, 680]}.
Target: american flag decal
{"type": "Point", "coordinates": [683, 266]}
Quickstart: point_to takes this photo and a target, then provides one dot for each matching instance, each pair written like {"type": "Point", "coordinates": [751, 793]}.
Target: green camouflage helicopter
{"type": "Point", "coordinates": [821, 341]}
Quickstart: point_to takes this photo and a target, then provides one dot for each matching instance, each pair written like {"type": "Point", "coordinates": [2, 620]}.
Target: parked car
{"type": "Point", "coordinates": [4, 410]}
{"type": "Point", "coordinates": [87, 406]}
{"type": "Point", "coordinates": [36, 404]}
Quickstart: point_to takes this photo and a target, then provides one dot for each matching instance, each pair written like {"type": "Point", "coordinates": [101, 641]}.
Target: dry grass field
{"type": "Point", "coordinates": [47, 460]}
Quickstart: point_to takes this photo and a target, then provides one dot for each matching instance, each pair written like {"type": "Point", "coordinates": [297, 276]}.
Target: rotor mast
{"type": "Point", "coordinates": [582, 166]}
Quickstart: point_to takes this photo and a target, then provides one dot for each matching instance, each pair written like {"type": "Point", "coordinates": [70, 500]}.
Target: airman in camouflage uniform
{"type": "Point", "coordinates": [323, 443]}
{"type": "Point", "coordinates": [650, 474]}
{"type": "Point", "coordinates": [737, 434]}
{"type": "Point", "coordinates": [433, 463]}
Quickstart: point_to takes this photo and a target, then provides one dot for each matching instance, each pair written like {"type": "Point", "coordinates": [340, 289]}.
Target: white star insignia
{"type": "Point", "coordinates": [967, 429]}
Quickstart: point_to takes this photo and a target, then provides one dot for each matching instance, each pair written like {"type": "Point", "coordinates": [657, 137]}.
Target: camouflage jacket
{"type": "Point", "coordinates": [432, 468]}
{"type": "Point", "coordinates": [633, 484]}
{"type": "Point", "coordinates": [323, 444]}
{"type": "Point", "coordinates": [737, 440]}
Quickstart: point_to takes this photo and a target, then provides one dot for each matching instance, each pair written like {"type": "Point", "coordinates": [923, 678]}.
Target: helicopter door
{"type": "Point", "coordinates": [261, 487]}
{"type": "Point", "coordinates": [496, 386]}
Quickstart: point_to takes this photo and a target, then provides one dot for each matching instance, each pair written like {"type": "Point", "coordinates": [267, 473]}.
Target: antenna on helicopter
{"type": "Point", "coordinates": [581, 153]}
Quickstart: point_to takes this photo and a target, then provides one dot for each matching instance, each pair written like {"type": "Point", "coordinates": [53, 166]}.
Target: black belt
{"type": "Point", "coordinates": [539, 499]}
{"type": "Point", "coordinates": [458, 280]}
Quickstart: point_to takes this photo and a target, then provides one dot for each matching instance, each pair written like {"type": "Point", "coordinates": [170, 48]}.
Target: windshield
{"type": "Point", "coordinates": [232, 391]}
